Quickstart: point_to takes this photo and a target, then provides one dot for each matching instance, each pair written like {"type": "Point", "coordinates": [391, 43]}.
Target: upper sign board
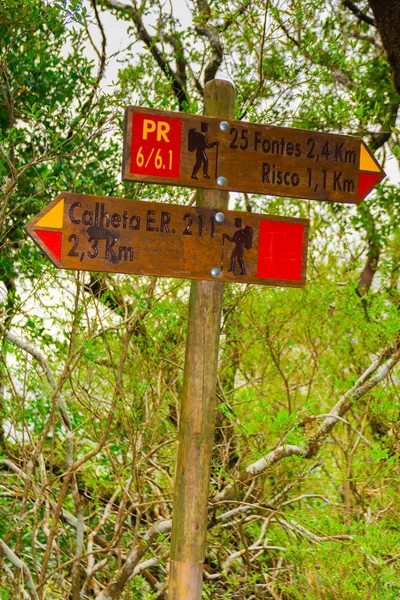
{"type": "Point", "coordinates": [97, 233]}
{"type": "Point", "coordinates": [207, 152]}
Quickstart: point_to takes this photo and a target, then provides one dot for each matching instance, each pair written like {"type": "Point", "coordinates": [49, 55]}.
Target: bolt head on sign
{"type": "Point", "coordinates": [98, 233]}
{"type": "Point", "coordinates": [208, 152]}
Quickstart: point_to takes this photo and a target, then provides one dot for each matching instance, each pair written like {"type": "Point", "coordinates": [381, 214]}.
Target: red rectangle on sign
{"type": "Point", "coordinates": [156, 145]}
{"type": "Point", "coordinates": [280, 250]}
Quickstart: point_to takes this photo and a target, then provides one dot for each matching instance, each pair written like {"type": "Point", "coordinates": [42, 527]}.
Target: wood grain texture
{"type": "Point", "coordinates": [197, 417]}
{"type": "Point", "coordinates": [185, 580]}
{"type": "Point", "coordinates": [150, 238]}
{"type": "Point", "coordinates": [255, 158]}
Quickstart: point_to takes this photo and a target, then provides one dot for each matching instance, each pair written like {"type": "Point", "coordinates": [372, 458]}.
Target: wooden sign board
{"type": "Point", "coordinates": [206, 152]}
{"type": "Point", "coordinates": [93, 233]}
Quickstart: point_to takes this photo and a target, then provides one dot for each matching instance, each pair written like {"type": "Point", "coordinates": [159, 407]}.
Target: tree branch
{"type": "Point", "coordinates": [359, 390]}
{"type": "Point", "coordinates": [378, 139]}
{"type": "Point", "coordinates": [371, 266]}
{"type": "Point", "coordinates": [20, 343]}
{"type": "Point", "coordinates": [382, 367]}
{"type": "Point", "coordinates": [341, 77]}
{"type": "Point", "coordinates": [358, 12]}
{"type": "Point", "coordinates": [213, 35]}
{"type": "Point", "coordinates": [231, 20]}
{"type": "Point", "coordinates": [102, 56]}
{"type": "Point", "coordinates": [19, 564]}
{"type": "Point", "coordinates": [177, 84]}
{"type": "Point", "coordinates": [216, 51]}
{"type": "Point", "coordinates": [115, 589]}
{"type": "Point", "coordinates": [387, 19]}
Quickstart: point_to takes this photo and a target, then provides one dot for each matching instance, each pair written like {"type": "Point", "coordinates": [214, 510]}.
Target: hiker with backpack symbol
{"type": "Point", "coordinates": [242, 238]}
{"type": "Point", "coordinates": [199, 142]}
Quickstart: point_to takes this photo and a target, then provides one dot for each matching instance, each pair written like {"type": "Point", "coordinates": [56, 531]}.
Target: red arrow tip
{"type": "Point", "coordinates": [52, 240]}
{"type": "Point", "coordinates": [366, 182]}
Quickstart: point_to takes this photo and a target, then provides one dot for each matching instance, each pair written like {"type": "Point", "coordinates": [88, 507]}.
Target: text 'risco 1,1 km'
{"type": "Point", "coordinates": [208, 152]}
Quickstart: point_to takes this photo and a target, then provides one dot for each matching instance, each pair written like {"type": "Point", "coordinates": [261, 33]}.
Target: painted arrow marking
{"type": "Point", "coordinates": [206, 152]}
{"type": "Point", "coordinates": [371, 173]}
{"type": "Point", "coordinates": [117, 235]}
{"type": "Point", "coordinates": [50, 237]}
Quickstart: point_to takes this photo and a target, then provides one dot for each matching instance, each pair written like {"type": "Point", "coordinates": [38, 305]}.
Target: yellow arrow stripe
{"type": "Point", "coordinates": [367, 161]}
{"type": "Point", "coordinates": [54, 218]}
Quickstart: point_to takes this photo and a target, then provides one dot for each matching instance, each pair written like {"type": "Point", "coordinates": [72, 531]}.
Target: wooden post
{"type": "Point", "coordinates": [197, 418]}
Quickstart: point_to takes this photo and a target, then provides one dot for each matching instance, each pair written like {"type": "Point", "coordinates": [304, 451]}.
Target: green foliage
{"type": "Point", "coordinates": [97, 374]}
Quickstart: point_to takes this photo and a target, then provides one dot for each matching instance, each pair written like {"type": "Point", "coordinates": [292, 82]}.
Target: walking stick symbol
{"type": "Point", "coordinates": [216, 163]}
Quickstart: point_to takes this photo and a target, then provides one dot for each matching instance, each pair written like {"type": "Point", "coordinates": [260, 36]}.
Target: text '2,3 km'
{"type": "Point", "coordinates": [95, 233]}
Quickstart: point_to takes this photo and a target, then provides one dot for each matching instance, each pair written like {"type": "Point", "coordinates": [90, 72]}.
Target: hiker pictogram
{"type": "Point", "coordinates": [197, 140]}
{"type": "Point", "coordinates": [242, 238]}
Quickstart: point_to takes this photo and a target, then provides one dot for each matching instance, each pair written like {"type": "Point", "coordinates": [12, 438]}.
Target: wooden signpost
{"type": "Point", "coordinates": [208, 244]}
{"type": "Point", "coordinates": [93, 233]}
{"type": "Point", "coordinates": [221, 153]}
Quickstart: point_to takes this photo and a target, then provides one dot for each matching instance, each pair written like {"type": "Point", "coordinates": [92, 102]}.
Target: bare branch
{"type": "Point", "coordinates": [10, 165]}
{"type": "Point", "coordinates": [20, 343]}
{"type": "Point", "coordinates": [216, 51]}
{"type": "Point", "coordinates": [114, 589]}
{"type": "Point", "coordinates": [358, 12]}
{"type": "Point", "coordinates": [360, 435]}
{"type": "Point", "coordinates": [131, 9]}
{"type": "Point", "coordinates": [341, 76]}
{"type": "Point", "coordinates": [102, 58]}
{"type": "Point", "coordinates": [261, 78]}
{"type": "Point", "coordinates": [231, 19]}
{"type": "Point", "coordinates": [365, 383]}
{"type": "Point", "coordinates": [213, 34]}
{"type": "Point", "coordinates": [19, 564]}
{"type": "Point", "coordinates": [378, 139]}
{"type": "Point", "coordinates": [273, 457]}
{"type": "Point", "coordinates": [387, 16]}
{"type": "Point", "coordinates": [355, 393]}
{"type": "Point", "coordinates": [370, 268]}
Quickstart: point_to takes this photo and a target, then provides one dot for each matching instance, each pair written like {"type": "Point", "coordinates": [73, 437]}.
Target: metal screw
{"type": "Point", "coordinates": [224, 125]}
{"type": "Point", "coordinates": [215, 272]}
{"type": "Point", "coordinates": [221, 180]}
{"type": "Point", "coordinates": [220, 217]}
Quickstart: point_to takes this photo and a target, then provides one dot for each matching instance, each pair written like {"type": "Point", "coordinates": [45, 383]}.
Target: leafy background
{"type": "Point", "coordinates": [91, 364]}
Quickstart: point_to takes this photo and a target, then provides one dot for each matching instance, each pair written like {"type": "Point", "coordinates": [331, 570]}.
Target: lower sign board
{"type": "Point", "coordinates": [96, 233]}
{"type": "Point", "coordinates": [209, 152]}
